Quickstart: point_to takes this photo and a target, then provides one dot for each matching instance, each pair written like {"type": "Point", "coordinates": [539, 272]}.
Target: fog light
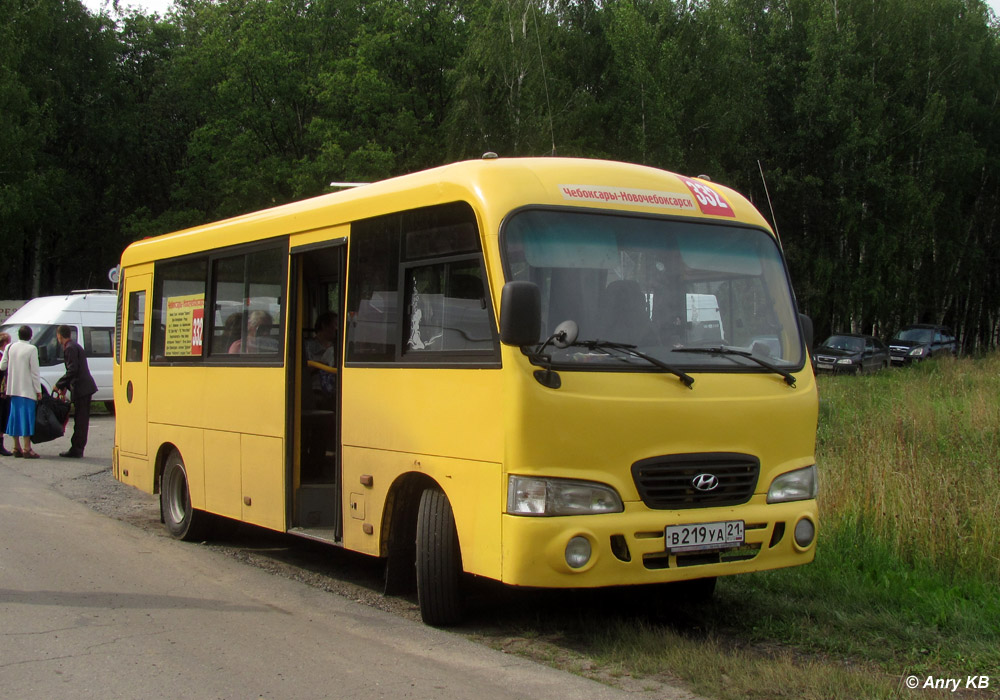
{"type": "Point", "coordinates": [578, 552]}
{"type": "Point", "coordinates": [805, 532]}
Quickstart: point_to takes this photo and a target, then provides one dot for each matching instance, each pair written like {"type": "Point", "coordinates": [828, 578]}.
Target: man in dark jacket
{"type": "Point", "coordinates": [81, 386]}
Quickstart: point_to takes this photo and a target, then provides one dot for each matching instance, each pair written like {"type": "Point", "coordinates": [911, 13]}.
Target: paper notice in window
{"type": "Point", "coordinates": [185, 324]}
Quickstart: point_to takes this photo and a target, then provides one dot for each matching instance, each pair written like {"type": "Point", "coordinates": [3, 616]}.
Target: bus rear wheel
{"type": "Point", "coordinates": [439, 561]}
{"type": "Point", "coordinates": [182, 521]}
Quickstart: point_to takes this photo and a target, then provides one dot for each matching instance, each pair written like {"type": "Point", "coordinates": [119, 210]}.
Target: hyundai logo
{"type": "Point", "coordinates": [705, 482]}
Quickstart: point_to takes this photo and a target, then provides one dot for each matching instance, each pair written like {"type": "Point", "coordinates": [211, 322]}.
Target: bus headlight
{"type": "Point", "coordinates": [534, 496]}
{"type": "Point", "coordinates": [799, 485]}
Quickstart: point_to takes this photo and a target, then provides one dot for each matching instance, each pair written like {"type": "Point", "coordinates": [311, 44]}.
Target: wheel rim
{"type": "Point", "coordinates": [176, 490]}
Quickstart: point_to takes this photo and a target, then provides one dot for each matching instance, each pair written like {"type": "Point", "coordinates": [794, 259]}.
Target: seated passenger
{"type": "Point", "coordinates": [258, 336]}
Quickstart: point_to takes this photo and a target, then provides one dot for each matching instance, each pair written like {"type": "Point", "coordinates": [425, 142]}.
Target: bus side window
{"type": "Point", "coordinates": [416, 289]}
{"type": "Point", "coordinates": [446, 307]}
{"type": "Point", "coordinates": [136, 326]}
{"type": "Point", "coordinates": [247, 293]}
{"type": "Point", "coordinates": [178, 305]}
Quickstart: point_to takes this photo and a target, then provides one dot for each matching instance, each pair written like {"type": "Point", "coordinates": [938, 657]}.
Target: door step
{"type": "Point", "coordinates": [319, 534]}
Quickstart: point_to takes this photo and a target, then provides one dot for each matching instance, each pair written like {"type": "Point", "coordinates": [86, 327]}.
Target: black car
{"type": "Point", "coordinates": [850, 353]}
{"type": "Point", "coordinates": [920, 341]}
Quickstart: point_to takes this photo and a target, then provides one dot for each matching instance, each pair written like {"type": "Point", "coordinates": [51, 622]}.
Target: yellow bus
{"type": "Point", "coordinates": [555, 372]}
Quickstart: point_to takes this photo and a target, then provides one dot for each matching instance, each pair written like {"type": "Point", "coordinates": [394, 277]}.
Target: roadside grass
{"type": "Point", "coordinates": [910, 458]}
{"type": "Point", "coordinates": [906, 576]}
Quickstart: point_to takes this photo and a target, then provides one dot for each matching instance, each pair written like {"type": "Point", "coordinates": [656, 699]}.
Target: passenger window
{"type": "Point", "coordinates": [136, 331]}
{"type": "Point", "coordinates": [248, 317]}
{"type": "Point", "coordinates": [373, 290]}
{"type": "Point", "coordinates": [442, 313]}
{"type": "Point", "coordinates": [179, 310]}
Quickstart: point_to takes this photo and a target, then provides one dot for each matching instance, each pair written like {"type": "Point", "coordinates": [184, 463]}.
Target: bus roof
{"type": "Point", "coordinates": [494, 186]}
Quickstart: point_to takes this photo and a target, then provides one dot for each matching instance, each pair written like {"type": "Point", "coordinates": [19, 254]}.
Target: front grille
{"type": "Point", "coordinates": [661, 560]}
{"type": "Point", "coordinates": [668, 482]}
{"type": "Point", "coordinates": [828, 359]}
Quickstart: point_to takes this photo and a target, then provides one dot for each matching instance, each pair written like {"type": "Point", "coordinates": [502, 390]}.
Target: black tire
{"type": "Point", "coordinates": [439, 561]}
{"type": "Point", "coordinates": [109, 406]}
{"type": "Point", "coordinates": [182, 521]}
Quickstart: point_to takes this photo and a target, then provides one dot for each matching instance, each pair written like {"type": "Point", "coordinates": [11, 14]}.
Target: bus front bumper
{"type": "Point", "coordinates": [630, 548]}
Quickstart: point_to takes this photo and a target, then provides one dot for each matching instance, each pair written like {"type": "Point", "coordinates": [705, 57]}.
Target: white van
{"type": "Point", "coordinates": [704, 318]}
{"type": "Point", "coordinates": [91, 315]}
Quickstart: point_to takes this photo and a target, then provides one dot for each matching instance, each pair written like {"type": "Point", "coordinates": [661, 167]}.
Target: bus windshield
{"type": "Point", "coordinates": [667, 287]}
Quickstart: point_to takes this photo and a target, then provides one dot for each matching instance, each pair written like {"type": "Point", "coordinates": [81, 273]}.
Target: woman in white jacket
{"type": "Point", "coordinates": [24, 386]}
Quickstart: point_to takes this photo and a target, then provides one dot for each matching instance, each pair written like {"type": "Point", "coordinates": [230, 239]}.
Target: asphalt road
{"type": "Point", "coordinates": [93, 607]}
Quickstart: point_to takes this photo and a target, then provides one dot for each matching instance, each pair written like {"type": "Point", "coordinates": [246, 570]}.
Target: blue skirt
{"type": "Point", "coordinates": [22, 417]}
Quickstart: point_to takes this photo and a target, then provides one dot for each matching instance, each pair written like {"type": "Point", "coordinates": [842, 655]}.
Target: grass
{"type": "Point", "coordinates": [910, 459]}
{"type": "Point", "coordinates": [906, 576]}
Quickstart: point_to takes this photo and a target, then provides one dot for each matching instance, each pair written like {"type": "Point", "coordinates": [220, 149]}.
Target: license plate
{"type": "Point", "coordinates": [693, 538]}
{"type": "Point", "coordinates": [824, 365]}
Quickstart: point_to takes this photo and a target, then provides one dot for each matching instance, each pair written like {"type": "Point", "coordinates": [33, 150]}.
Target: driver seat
{"type": "Point", "coordinates": [623, 316]}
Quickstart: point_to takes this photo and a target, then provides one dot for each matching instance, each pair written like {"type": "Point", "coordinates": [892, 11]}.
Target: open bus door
{"type": "Point", "coordinates": [318, 275]}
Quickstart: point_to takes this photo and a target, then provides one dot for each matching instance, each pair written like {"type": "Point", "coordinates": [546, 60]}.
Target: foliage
{"type": "Point", "coordinates": [873, 122]}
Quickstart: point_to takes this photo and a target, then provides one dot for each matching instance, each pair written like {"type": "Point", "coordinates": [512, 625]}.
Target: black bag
{"type": "Point", "coordinates": [51, 416]}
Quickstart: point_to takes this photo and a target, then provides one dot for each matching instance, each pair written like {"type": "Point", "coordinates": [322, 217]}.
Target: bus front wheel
{"type": "Point", "coordinates": [182, 521]}
{"type": "Point", "coordinates": [439, 561]}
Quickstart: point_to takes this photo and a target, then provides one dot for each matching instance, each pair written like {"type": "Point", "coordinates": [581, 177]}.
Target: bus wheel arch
{"type": "Point", "coordinates": [181, 520]}
{"type": "Point", "coordinates": [161, 458]}
{"type": "Point", "coordinates": [399, 532]}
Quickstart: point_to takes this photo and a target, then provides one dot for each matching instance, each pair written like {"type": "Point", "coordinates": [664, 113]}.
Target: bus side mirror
{"type": "Point", "coordinates": [807, 330]}
{"type": "Point", "coordinates": [520, 313]}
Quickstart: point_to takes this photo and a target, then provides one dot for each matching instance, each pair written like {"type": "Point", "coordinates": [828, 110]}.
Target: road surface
{"type": "Point", "coordinates": [94, 607]}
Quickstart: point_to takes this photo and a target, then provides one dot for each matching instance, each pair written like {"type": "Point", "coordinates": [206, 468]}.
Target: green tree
{"type": "Point", "coordinates": [57, 85]}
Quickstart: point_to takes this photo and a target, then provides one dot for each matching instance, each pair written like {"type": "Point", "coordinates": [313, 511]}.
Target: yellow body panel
{"type": "Point", "coordinates": [598, 424]}
{"type": "Point", "coordinates": [263, 481]}
{"type": "Point", "coordinates": [438, 422]}
{"type": "Point", "coordinates": [472, 487]}
{"type": "Point", "coordinates": [445, 412]}
{"type": "Point", "coordinates": [224, 480]}
{"type": "Point", "coordinates": [249, 400]}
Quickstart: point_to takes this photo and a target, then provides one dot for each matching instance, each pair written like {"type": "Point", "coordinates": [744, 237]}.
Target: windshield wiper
{"type": "Point", "coordinates": [724, 351]}
{"type": "Point", "coordinates": [565, 336]}
{"type": "Point", "coordinates": [630, 350]}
